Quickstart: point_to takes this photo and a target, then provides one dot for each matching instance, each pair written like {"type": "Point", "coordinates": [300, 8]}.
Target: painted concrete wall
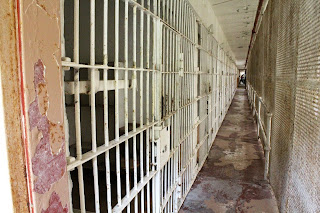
{"type": "Point", "coordinates": [42, 105]}
{"type": "Point", "coordinates": [207, 15]}
{"type": "Point", "coordinates": [11, 142]}
{"type": "Point", "coordinates": [5, 184]}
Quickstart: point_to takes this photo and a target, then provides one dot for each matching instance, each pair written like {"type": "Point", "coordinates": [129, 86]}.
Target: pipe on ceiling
{"type": "Point", "coordinates": [254, 30]}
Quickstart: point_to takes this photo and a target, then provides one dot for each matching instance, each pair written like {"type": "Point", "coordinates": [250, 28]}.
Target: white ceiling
{"type": "Point", "coordinates": [236, 18]}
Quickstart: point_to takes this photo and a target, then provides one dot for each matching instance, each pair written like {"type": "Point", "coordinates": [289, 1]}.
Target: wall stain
{"type": "Point", "coordinates": [49, 162]}
{"type": "Point", "coordinates": [55, 205]}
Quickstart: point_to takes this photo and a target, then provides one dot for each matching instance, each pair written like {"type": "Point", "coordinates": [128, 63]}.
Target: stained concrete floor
{"type": "Point", "coordinates": [231, 179]}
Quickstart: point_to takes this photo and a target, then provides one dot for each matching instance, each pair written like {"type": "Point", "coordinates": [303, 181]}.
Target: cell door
{"type": "Point", "coordinates": [111, 81]}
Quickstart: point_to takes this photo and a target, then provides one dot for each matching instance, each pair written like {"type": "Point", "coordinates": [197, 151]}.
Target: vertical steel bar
{"type": "Point", "coordinates": [116, 79]}
{"type": "Point", "coordinates": [169, 70]}
{"type": "Point", "coordinates": [154, 66]}
{"type": "Point", "coordinates": [158, 110]}
{"type": "Point", "coordinates": [93, 104]}
{"type": "Point", "coordinates": [77, 104]}
{"type": "Point", "coordinates": [134, 82]}
{"type": "Point", "coordinates": [105, 101]}
{"type": "Point", "coordinates": [180, 16]}
{"type": "Point", "coordinates": [171, 13]}
{"type": "Point", "coordinates": [141, 104]}
{"type": "Point", "coordinates": [76, 79]}
{"type": "Point", "coordinates": [167, 11]}
{"type": "Point", "coordinates": [147, 107]}
{"type": "Point", "coordinates": [268, 146]}
{"type": "Point", "coordinates": [259, 116]}
{"type": "Point", "coordinates": [163, 10]}
{"type": "Point", "coordinates": [174, 14]}
{"type": "Point", "coordinates": [127, 160]}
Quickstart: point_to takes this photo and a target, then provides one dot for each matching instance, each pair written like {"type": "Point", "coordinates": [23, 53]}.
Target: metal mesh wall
{"type": "Point", "coordinates": [283, 68]}
{"type": "Point", "coordinates": [284, 96]}
{"type": "Point", "coordinates": [303, 191]}
{"type": "Point", "coordinates": [270, 33]}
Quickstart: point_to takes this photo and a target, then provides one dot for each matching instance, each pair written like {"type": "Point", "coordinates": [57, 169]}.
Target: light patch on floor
{"type": "Point", "coordinates": [241, 158]}
{"type": "Point", "coordinates": [263, 206]}
{"type": "Point", "coordinates": [219, 207]}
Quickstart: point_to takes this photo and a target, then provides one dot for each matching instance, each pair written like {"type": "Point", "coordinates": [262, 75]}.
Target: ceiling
{"type": "Point", "coordinates": [236, 18]}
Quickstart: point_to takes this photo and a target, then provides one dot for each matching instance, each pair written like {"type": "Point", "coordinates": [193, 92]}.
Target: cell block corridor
{"type": "Point", "coordinates": [160, 106]}
{"type": "Point", "coordinates": [232, 178]}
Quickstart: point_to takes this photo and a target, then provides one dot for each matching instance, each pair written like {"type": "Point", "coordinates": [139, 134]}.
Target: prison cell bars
{"type": "Point", "coordinates": [105, 103]}
{"type": "Point", "coordinates": [126, 112]}
{"type": "Point", "coordinates": [77, 104]}
{"type": "Point", "coordinates": [165, 167]}
{"type": "Point", "coordinates": [93, 104]}
{"type": "Point", "coordinates": [186, 37]}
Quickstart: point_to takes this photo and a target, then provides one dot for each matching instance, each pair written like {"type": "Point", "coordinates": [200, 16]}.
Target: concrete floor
{"type": "Point", "coordinates": [231, 179]}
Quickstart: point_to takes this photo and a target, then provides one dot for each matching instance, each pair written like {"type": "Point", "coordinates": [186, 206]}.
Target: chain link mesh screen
{"type": "Point", "coordinates": [283, 68]}
{"type": "Point", "coordinates": [284, 96]}
{"type": "Point", "coordinates": [303, 191]}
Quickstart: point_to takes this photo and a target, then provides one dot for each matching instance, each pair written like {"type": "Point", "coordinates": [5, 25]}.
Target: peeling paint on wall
{"type": "Point", "coordinates": [55, 205]}
{"type": "Point", "coordinates": [42, 104]}
{"type": "Point", "coordinates": [48, 167]}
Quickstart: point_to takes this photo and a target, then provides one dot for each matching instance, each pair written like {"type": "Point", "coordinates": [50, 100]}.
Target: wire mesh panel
{"type": "Point", "coordinates": [278, 91]}
{"type": "Point", "coordinates": [146, 88]}
{"type": "Point", "coordinates": [291, 92]}
{"type": "Point", "coordinates": [270, 28]}
{"type": "Point", "coordinates": [284, 95]}
{"type": "Point", "coordinates": [304, 178]}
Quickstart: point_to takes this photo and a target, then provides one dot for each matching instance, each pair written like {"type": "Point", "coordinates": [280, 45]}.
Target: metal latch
{"type": "Point", "coordinates": [181, 64]}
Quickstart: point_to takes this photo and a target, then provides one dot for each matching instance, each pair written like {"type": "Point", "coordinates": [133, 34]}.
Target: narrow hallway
{"type": "Point", "coordinates": [231, 179]}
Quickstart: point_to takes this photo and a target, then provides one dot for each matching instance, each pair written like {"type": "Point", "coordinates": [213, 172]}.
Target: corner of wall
{"type": "Point", "coordinates": [11, 107]}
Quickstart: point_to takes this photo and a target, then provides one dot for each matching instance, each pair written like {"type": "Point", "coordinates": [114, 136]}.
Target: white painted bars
{"type": "Point", "coordinates": [168, 33]}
